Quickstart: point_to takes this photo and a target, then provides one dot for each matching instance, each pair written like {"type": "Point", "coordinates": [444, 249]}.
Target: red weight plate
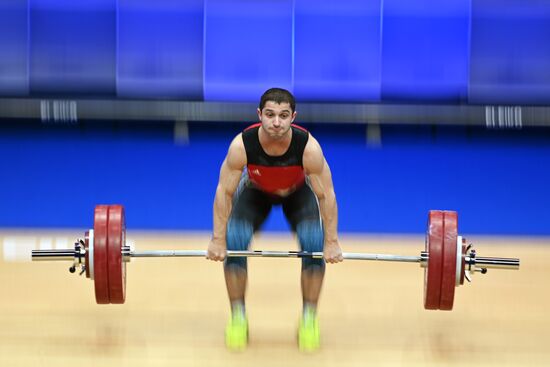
{"type": "Point", "coordinates": [434, 247]}
{"type": "Point", "coordinates": [101, 271]}
{"type": "Point", "coordinates": [448, 272]}
{"type": "Point", "coordinates": [115, 240]}
{"type": "Point", "coordinates": [86, 257]}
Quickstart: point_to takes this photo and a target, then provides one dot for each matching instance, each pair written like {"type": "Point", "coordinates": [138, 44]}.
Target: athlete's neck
{"type": "Point", "coordinates": [274, 146]}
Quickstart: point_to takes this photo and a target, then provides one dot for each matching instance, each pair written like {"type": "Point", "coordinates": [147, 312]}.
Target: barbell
{"type": "Point", "coordinates": [447, 259]}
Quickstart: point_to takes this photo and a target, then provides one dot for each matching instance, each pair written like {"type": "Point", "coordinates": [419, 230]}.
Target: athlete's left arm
{"type": "Point", "coordinates": [320, 177]}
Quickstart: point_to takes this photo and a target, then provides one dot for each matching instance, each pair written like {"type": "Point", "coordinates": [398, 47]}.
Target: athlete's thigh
{"type": "Point", "coordinates": [250, 205]}
{"type": "Point", "coordinates": [302, 206]}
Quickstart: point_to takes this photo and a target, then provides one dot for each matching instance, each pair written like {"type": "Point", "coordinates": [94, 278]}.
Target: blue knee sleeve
{"type": "Point", "coordinates": [311, 238]}
{"type": "Point", "coordinates": [238, 236]}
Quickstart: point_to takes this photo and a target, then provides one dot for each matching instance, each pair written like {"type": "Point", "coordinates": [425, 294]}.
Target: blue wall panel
{"type": "Point", "coordinates": [493, 179]}
{"type": "Point", "coordinates": [160, 49]}
{"type": "Point", "coordinates": [14, 46]}
{"type": "Point", "coordinates": [248, 48]}
{"type": "Point", "coordinates": [337, 50]}
{"type": "Point", "coordinates": [497, 180]}
{"type": "Point", "coordinates": [510, 57]}
{"type": "Point", "coordinates": [73, 46]}
{"type": "Point", "coordinates": [425, 50]}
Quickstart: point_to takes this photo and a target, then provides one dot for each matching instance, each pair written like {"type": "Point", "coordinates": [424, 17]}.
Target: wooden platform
{"type": "Point", "coordinates": [371, 312]}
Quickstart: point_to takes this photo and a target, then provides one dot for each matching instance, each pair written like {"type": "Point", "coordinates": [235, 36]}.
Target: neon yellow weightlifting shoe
{"type": "Point", "coordinates": [309, 336]}
{"type": "Point", "coordinates": [236, 332]}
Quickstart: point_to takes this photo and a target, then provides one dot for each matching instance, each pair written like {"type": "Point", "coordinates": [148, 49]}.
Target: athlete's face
{"type": "Point", "coordinates": [276, 119]}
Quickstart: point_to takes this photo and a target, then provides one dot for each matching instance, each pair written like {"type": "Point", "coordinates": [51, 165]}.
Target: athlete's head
{"type": "Point", "coordinates": [276, 112]}
{"type": "Point", "coordinates": [278, 95]}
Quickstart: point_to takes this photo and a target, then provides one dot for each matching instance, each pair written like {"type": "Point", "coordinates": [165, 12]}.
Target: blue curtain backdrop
{"type": "Point", "coordinates": [424, 51]}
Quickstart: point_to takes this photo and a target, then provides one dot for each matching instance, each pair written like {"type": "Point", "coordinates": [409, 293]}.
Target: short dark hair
{"type": "Point", "coordinates": [278, 95]}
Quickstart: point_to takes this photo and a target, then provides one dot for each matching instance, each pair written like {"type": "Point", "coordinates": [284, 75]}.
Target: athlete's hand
{"type": "Point", "coordinates": [332, 252]}
{"type": "Point", "coordinates": [217, 250]}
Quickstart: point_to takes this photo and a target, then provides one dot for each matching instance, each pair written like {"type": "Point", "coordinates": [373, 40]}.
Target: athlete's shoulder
{"type": "Point", "coordinates": [236, 154]}
{"type": "Point", "coordinates": [313, 146]}
{"type": "Point", "coordinates": [237, 142]}
{"type": "Point", "coordinates": [313, 159]}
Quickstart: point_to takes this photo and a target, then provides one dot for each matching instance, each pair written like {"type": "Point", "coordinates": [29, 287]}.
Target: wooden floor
{"type": "Point", "coordinates": [371, 313]}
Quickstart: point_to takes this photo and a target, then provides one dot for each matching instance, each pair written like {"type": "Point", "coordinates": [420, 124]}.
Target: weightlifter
{"type": "Point", "coordinates": [275, 162]}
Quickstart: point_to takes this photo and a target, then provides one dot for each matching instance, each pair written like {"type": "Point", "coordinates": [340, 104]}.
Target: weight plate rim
{"type": "Point", "coordinates": [432, 272]}
{"type": "Point", "coordinates": [101, 267]}
{"type": "Point", "coordinates": [116, 229]}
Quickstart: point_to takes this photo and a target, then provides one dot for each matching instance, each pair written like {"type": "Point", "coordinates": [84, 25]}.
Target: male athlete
{"type": "Point", "coordinates": [284, 166]}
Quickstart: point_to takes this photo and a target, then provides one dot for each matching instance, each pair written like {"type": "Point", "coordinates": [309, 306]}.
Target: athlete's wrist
{"type": "Point", "coordinates": [217, 238]}
{"type": "Point", "coordinates": [332, 242]}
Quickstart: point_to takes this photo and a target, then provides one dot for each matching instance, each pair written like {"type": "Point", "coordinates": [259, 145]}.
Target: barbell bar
{"type": "Point", "coordinates": [482, 262]}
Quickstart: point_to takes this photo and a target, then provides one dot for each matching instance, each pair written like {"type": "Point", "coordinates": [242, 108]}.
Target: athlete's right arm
{"type": "Point", "coordinates": [230, 175]}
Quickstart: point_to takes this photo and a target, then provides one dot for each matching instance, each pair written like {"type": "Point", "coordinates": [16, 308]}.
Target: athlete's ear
{"type": "Point", "coordinates": [293, 116]}
{"type": "Point", "coordinates": [259, 114]}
